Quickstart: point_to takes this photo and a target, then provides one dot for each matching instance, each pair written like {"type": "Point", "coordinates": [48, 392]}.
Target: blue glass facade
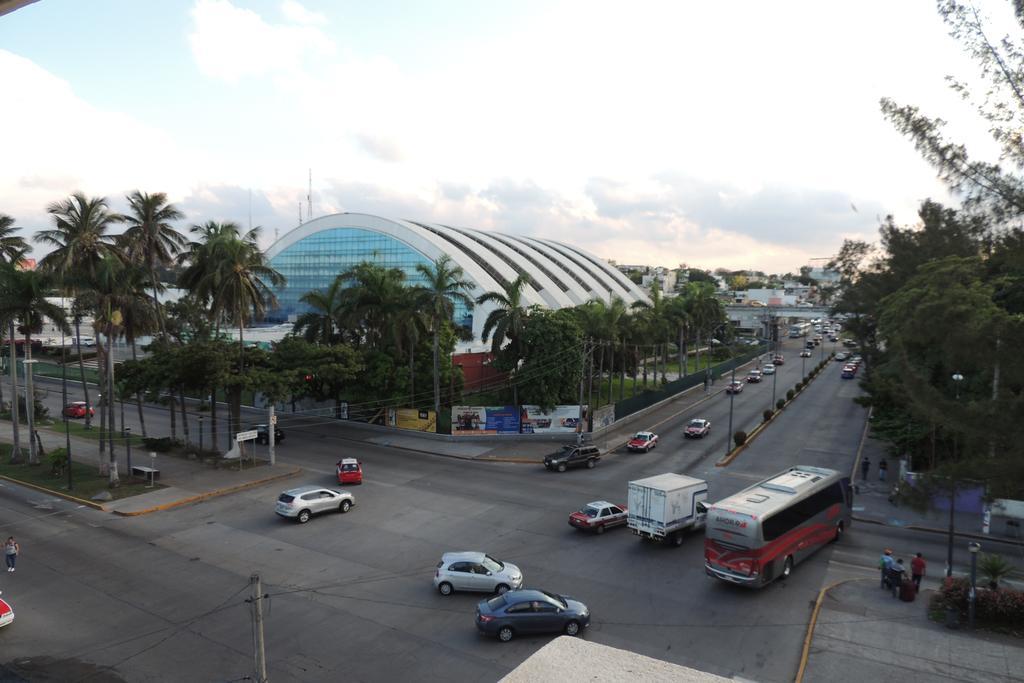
{"type": "Point", "coordinates": [315, 261]}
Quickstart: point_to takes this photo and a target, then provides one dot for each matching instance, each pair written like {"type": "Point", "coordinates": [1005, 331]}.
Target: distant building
{"type": "Point", "coordinates": [666, 279]}
{"type": "Point", "coordinates": [824, 275]}
{"type": "Point", "coordinates": [771, 297]}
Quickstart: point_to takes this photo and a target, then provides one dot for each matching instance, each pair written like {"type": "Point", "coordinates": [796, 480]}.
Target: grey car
{"type": "Point", "coordinates": [531, 611]}
{"type": "Point", "coordinates": [475, 571]}
{"type": "Point", "coordinates": [302, 503]}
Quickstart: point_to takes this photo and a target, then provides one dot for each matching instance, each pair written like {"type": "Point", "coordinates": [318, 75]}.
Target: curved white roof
{"type": "Point", "coordinates": [559, 275]}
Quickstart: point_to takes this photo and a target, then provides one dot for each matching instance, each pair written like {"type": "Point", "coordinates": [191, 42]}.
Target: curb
{"type": "Point", "coordinates": [734, 453]}
{"type": "Point", "coordinates": [944, 532]}
{"type": "Point", "coordinates": [59, 494]}
{"type": "Point", "coordinates": [805, 654]}
{"type": "Point", "coordinates": [209, 494]}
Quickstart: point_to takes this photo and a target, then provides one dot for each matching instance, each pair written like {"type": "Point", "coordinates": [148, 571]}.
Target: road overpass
{"type": "Point", "coordinates": [761, 319]}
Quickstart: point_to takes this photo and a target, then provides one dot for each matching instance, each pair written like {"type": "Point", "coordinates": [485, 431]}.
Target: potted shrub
{"type": "Point", "coordinates": [739, 438]}
{"type": "Point", "coordinates": [993, 568]}
{"type": "Point", "coordinates": [780, 403]}
{"type": "Point", "coordinates": [767, 415]}
{"type": "Point", "coordinates": [790, 394]}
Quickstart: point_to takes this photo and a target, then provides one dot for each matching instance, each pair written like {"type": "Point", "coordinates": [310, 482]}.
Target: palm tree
{"type": "Point", "coordinates": [139, 318]}
{"type": "Point", "coordinates": [12, 248]}
{"type": "Point", "coordinates": [150, 240]}
{"type": "Point", "coordinates": [80, 241]}
{"type": "Point", "coordinates": [320, 324]}
{"type": "Point", "coordinates": [506, 323]}
{"type": "Point", "coordinates": [373, 297]}
{"type": "Point", "coordinates": [678, 318]}
{"type": "Point", "coordinates": [23, 298]}
{"type": "Point", "coordinates": [704, 308]}
{"type": "Point", "coordinates": [445, 285]}
{"type": "Point", "coordinates": [655, 322]}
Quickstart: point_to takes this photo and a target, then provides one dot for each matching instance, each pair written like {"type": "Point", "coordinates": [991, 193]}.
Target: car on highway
{"type": "Point", "coordinates": [6, 612]}
{"type": "Point", "coordinates": [734, 387]}
{"type": "Point", "coordinates": [303, 502]}
{"type": "Point", "coordinates": [475, 571]}
{"type": "Point", "coordinates": [573, 456]}
{"type": "Point", "coordinates": [779, 359]}
{"type": "Point", "coordinates": [525, 612]}
{"type": "Point", "coordinates": [698, 428]}
{"type": "Point", "coordinates": [598, 516]}
{"type": "Point", "coordinates": [768, 369]}
{"type": "Point", "coordinates": [263, 434]}
{"type": "Point", "coordinates": [350, 471]}
{"type": "Point", "coordinates": [809, 344]}
{"type": "Point", "coordinates": [849, 371]}
{"type": "Point", "coordinates": [805, 353]}
{"type": "Point", "coordinates": [754, 376]}
{"type": "Point", "coordinates": [642, 441]}
{"type": "Point", "coordinates": [77, 409]}
{"type": "Point", "coordinates": [841, 356]}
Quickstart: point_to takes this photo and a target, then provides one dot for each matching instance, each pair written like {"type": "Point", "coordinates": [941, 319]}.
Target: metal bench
{"type": "Point", "coordinates": [149, 473]}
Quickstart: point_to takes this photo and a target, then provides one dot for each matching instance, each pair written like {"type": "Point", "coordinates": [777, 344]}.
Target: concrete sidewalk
{"type": "Point", "coordinates": [184, 481]}
{"type": "Point", "coordinates": [865, 634]}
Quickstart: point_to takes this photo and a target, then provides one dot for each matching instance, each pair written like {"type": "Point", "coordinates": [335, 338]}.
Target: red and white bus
{"type": "Point", "coordinates": [762, 532]}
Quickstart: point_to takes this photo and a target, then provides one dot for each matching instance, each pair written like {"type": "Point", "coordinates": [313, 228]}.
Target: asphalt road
{"type": "Point", "coordinates": [161, 597]}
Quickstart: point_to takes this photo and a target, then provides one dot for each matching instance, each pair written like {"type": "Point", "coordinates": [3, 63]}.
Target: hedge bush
{"type": "Point", "coordinates": [739, 438]}
{"type": "Point", "coordinates": [767, 415]}
{"type": "Point", "coordinates": [780, 404]}
{"type": "Point", "coordinates": [799, 385]}
{"type": "Point", "coordinates": [1000, 607]}
{"type": "Point", "coordinates": [790, 394]}
{"type": "Point", "coordinates": [161, 444]}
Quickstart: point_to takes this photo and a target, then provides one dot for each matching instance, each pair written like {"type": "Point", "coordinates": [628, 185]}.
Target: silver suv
{"type": "Point", "coordinates": [470, 571]}
{"type": "Point", "coordinates": [302, 503]}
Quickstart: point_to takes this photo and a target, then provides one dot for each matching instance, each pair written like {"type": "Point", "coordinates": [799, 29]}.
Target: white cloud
{"type": "Point", "coordinates": [297, 14]}
{"type": "Point", "coordinates": [230, 43]}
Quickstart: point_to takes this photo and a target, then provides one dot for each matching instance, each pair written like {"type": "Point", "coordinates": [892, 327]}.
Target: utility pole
{"type": "Point", "coordinates": [583, 370]}
{"type": "Point", "coordinates": [271, 428]}
{"type": "Point", "coordinates": [259, 651]}
{"type": "Point", "coordinates": [590, 390]}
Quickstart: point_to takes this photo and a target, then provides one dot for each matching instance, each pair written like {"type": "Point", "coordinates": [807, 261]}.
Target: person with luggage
{"type": "Point", "coordinates": [897, 577]}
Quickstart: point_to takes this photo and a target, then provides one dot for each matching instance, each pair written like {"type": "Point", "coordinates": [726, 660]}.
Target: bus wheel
{"type": "Point", "coordinates": [839, 532]}
{"type": "Point", "coordinates": [787, 568]}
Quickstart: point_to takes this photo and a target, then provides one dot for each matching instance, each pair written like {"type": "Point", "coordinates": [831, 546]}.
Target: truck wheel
{"type": "Point", "coordinates": [677, 539]}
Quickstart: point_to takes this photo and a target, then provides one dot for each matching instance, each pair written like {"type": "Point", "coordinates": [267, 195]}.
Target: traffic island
{"type": "Point", "coordinates": [769, 416]}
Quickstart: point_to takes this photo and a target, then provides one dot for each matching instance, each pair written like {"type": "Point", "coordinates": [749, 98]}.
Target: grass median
{"type": "Point", "coordinates": [86, 480]}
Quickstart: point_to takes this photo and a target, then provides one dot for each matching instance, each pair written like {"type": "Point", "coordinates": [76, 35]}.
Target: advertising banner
{"type": "Point", "coordinates": [477, 420]}
{"type": "Point", "coordinates": [561, 419]}
{"type": "Point", "coordinates": [412, 418]}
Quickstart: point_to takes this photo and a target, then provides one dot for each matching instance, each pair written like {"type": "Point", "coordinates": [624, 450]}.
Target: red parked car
{"type": "Point", "coordinates": [77, 409]}
{"type": "Point", "coordinates": [350, 471]}
{"type": "Point", "coordinates": [6, 613]}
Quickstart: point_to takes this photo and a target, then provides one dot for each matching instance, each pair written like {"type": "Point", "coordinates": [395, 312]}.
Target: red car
{"type": "Point", "coordinates": [350, 471]}
{"type": "Point", "coordinates": [734, 387]}
{"type": "Point", "coordinates": [642, 441]}
{"type": "Point", "coordinates": [698, 428]}
{"type": "Point", "coordinates": [77, 409]}
{"type": "Point", "coordinates": [6, 613]}
{"type": "Point", "coordinates": [778, 360]}
{"type": "Point", "coordinates": [598, 516]}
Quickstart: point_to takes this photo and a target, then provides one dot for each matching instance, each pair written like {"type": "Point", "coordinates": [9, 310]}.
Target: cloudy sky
{"type": "Point", "coordinates": [732, 134]}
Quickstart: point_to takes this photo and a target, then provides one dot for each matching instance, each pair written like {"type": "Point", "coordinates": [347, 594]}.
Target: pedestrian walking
{"type": "Point", "coordinates": [885, 565]}
{"type": "Point", "coordinates": [11, 550]}
{"type": "Point", "coordinates": [883, 467]}
{"type": "Point", "coordinates": [897, 576]}
{"type": "Point", "coordinates": [865, 466]}
{"type": "Point", "coordinates": [917, 569]}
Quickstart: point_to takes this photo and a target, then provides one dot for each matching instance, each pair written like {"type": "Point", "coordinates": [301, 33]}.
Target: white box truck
{"type": "Point", "coordinates": [664, 507]}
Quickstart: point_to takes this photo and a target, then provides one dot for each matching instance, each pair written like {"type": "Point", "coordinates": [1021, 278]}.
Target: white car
{"type": "Point", "coordinates": [806, 353]}
{"type": "Point", "coordinates": [302, 503]}
{"type": "Point", "coordinates": [475, 571]}
{"type": "Point", "coordinates": [768, 369]}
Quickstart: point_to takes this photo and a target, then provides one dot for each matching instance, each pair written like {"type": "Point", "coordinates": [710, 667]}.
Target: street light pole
{"type": "Point", "coordinates": [732, 398]}
{"type": "Point", "coordinates": [972, 596]}
{"type": "Point", "coordinates": [957, 378]}
{"type": "Point", "coordinates": [64, 400]}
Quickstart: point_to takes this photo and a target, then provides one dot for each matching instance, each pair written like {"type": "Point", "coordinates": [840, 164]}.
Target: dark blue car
{"type": "Point", "coordinates": [531, 611]}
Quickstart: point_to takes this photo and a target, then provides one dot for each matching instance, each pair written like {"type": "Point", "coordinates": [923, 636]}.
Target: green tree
{"type": "Point", "coordinates": [320, 324]}
{"type": "Point", "coordinates": [445, 285]}
{"type": "Point", "coordinates": [506, 323]}
{"type": "Point", "coordinates": [552, 345]}
{"type": "Point", "coordinates": [12, 249]}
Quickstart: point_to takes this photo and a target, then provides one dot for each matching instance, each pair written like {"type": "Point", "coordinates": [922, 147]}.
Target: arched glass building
{"type": "Point", "coordinates": [559, 274]}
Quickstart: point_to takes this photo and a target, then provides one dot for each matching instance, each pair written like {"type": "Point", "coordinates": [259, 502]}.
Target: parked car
{"type": "Point", "coordinates": [6, 612]}
{"type": "Point", "coordinates": [84, 342]}
{"type": "Point", "coordinates": [77, 409]}
{"type": "Point", "coordinates": [754, 376]}
{"type": "Point", "coordinates": [849, 372]}
{"type": "Point", "coordinates": [350, 471]}
{"type": "Point", "coordinates": [598, 516]}
{"type": "Point", "coordinates": [850, 343]}
{"type": "Point", "coordinates": [805, 353]}
{"type": "Point", "coordinates": [779, 359]}
{"type": "Point", "coordinates": [697, 429]}
{"type": "Point", "coordinates": [475, 571]}
{"type": "Point", "coordinates": [531, 611]}
{"type": "Point", "coordinates": [263, 434]}
{"type": "Point", "coordinates": [573, 456]}
{"type": "Point", "coordinates": [768, 369]}
{"type": "Point", "coordinates": [841, 356]}
{"type": "Point", "coordinates": [305, 501]}
{"type": "Point", "coordinates": [734, 387]}
{"type": "Point", "coordinates": [642, 441]}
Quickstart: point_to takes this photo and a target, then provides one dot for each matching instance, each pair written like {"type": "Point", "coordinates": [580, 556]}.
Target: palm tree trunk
{"type": "Point", "coordinates": [114, 480]}
{"type": "Point", "coordinates": [16, 450]}
{"type": "Point", "coordinates": [213, 418]}
{"type": "Point", "coordinates": [645, 371]}
{"type": "Point", "coordinates": [681, 353]}
{"type": "Point", "coordinates": [698, 349]}
{"type": "Point", "coordinates": [412, 376]}
{"type": "Point", "coordinates": [611, 373]}
{"type": "Point", "coordinates": [138, 397]}
{"type": "Point", "coordinates": [1, 383]}
{"type": "Point", "coordinates": [156, 302]}
{"type": "Point", "coordinates": [437, 374]}
{"type": "Point", "coordinates": [600, 375]}
{"type": "Point", "coordinates": [622, 374]}
{"type": "Point", "coordinates": [30, 400]}
{"type": "Point", "coordinates": [101, 389]}
{"type": "Point", "coordinates": [81, 370]}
